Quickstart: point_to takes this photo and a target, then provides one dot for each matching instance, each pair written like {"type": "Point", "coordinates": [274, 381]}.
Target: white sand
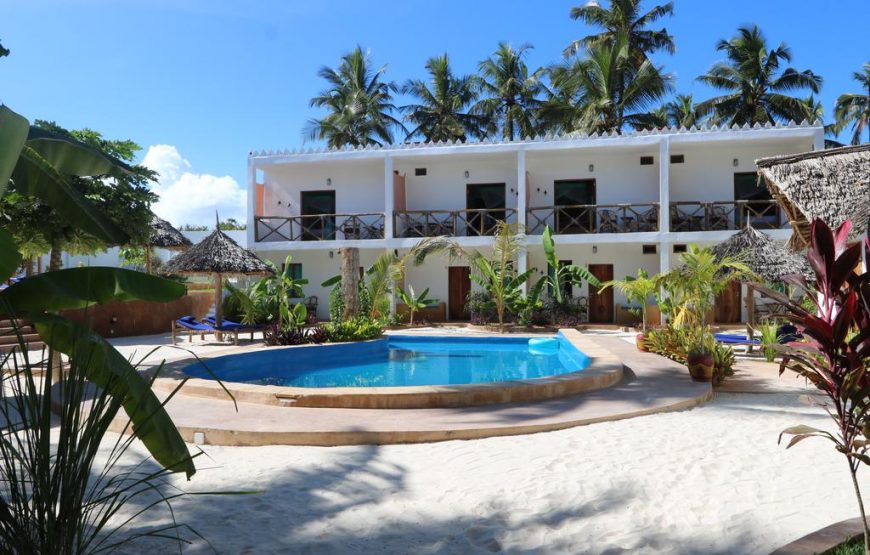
{"type": "Point", "coordinates": [709, 480]}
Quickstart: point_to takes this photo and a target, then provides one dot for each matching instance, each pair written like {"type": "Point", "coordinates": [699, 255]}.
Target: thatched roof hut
{"type": "Point", "coordinates": [764, 256]}
{"type": "Point", "coordinates": [164, 236]}
{"type": "Point", "coordinates": [218, 255]}
{"type": "Point", "coordinates": [833, 185]}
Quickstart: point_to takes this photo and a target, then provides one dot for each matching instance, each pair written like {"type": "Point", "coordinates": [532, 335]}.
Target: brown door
{"type": "Point", "coordinates": [601, 304]}
{"type": "Point", "coordinates": [728, 304]}
{"type": "Point", "coordinates": [458, 288]}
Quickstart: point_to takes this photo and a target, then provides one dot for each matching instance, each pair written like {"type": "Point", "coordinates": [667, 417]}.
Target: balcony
{"type": "Point", "coordinates": [453, 223]}
{"type": "Point", "coordinates": [594, 218]}
{"type": "Point", "coordinates": [321, 227]}
{"type": "Point", "coordinates": [725, 215]}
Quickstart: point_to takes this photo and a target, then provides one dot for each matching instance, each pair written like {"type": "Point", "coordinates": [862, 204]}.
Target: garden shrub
{"type": "Point", "coordinates": [357, 329]}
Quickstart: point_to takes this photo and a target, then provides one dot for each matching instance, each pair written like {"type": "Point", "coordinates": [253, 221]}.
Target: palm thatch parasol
{"type": "Point", "coordinates": [832, 184]}
{"type": "Point", "coordinates": [164, 236]}
{"type": "Point", "coordinates": [764, 256]}
{"type": "Point", "coordinates": [217, 255]}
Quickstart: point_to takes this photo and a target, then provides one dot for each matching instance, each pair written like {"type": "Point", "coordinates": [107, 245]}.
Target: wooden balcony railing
{"type": "Point", "coordinates": [725, 215]}
{"type": "Point", "coordinates": [594, 218]}
{"type": "Point", "coordinates": [453, 223]}
{"type": "Point", "coordinates": [321, 227]}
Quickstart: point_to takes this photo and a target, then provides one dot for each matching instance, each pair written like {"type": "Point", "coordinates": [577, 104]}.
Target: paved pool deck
{"type": "Point", "coordinates": [651, 384]}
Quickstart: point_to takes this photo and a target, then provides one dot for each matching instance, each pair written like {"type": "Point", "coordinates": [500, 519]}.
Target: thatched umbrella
{"type": "Point", "coordinates": [164, 236]}
{"type": "Point", "coordinates": [217, 255]}
{"type": "Point", "coordinates": [832, 184]}
{"type": "Point", "coordinates": [768, 259]}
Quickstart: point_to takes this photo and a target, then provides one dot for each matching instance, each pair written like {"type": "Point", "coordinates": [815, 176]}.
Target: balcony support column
{"type": "Point", "coordinates": [388, 197]}
{"type": "Point", "coordinates": [664, 265]}
{"type": "Point", "coordinates": [522, 207]}
{"type": "Point", "coordinates": [252, 199]}
{"type": "Point", "coordinates": [664, 186]}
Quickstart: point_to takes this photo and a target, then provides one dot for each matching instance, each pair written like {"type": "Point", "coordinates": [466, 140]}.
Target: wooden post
{"type": "Point", "coordinates": [750, 315]}
{"type": "Point", "coordinates": [218, 309]}
{"type": "Point", "coordinates": [147, 259]}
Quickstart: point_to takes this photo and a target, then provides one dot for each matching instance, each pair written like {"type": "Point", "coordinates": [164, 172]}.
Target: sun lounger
{"type": "Point", "coordinates": [228, 326]}
{"type": "Point", "coordinates": [192, 326]}
{"type": "Point", "coordinates": [735, 339]}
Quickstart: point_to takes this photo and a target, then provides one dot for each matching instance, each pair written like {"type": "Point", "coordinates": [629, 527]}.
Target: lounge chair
{"type": "Point", "coordinates": [734, 339]}
{"type": "Point", "coordinates": [228, 326]}
{"type": "Point", "coordinates": [192, 326]}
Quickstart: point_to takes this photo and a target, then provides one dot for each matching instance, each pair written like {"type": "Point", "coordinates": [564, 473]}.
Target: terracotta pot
{"type": "Point", "coordinates": [700, 366]}
{"type": "Point", "coordinates": [640, 341]}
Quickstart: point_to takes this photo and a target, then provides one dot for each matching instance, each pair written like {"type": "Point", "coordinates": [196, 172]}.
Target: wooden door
{"type": "Point", "coordinates": [601, 304]}
{"type": "Point", "coordinates": [727, 307]}
{"type": "Point", "coordinates": [458, 288]}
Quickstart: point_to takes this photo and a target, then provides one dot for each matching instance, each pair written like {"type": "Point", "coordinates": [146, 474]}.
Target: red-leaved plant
{"type": "Point", "coordinates": [834, 353]}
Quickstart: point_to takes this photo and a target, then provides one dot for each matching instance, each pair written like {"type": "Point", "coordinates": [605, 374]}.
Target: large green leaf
{"type": "Point", "coordinates": [70, 156]}
{"type": "Point", "coordinates": [13, 133]}
{"type": "Point", "coordinates": [108, 369]}
{"type": "Point", "coordinates": [36, 176]}
{"type": "Point", "coordinates": [10, 258]}
{"type": "Point", "coordinates": [81, 287]}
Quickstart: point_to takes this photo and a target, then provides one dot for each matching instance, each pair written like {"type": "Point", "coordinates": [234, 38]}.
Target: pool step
{"type": "Point", "coordinates": [11, 336]}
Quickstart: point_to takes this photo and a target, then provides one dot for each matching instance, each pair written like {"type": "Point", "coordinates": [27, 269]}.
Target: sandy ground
{"type": "Point", "coordinates": [708, 480]}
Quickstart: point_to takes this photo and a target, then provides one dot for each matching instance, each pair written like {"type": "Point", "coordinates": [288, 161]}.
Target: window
{"type": "Point", "coordinates": [679, 248]}
{"type": "Point", "coordinates": [419, 171]}
{"type": "Point", "coordinates": [647, 160]}
{"type": "Point", "coordinates": [295, 272]}
{"type": "Point", "coordinates": [574, 192]}
{"type": "Point", "coordinates": [677, 158]}
{"type": "Point", "coordinates": [486, 203]}
{"type": "Point", "coordinates": [315, 205]}
{"type": "Point", "coordinates": [648, 249]}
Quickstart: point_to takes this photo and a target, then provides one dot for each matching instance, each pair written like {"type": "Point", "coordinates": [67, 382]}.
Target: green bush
{"type": "Point", "coordinates": [357, 329]}
{"type": "Point", "coordinates": [336, 302]}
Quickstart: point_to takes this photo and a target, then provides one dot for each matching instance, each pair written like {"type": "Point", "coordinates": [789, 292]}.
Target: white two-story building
{"type": "Point", "coordinates": [615, 203]}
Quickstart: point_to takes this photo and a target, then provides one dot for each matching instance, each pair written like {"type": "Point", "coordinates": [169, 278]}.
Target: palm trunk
{"type": "Point", "coordinates": [54, 262]}
{"type": "Point", "coordinates": [350, 282]}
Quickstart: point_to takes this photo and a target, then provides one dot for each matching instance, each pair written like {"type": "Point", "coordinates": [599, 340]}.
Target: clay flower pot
{"type": "Point", "coordinates": [700, 366]}
{"type": "Point", "coordinates": [640, 341]}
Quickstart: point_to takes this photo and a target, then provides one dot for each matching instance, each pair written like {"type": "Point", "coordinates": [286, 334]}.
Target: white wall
{"type": "Point", "coordinates": [618, 175]}
{"type": "Point", "coordinates": [443, 186]}
{"type": "Point", "coordinates": [358, 186]}
{"type": "Point", "coordinates": [708, 172]}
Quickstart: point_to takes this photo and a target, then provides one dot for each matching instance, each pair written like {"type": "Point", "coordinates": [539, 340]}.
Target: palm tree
{"type": "Point", "coordinates": [854, 108]}
{"type": "Point", "coordinates": [359, 104]}
{"type": "Point", "coordinates": [681, 112]}
{"type": "Point", "coordinates": [623, 19]}
{"type": "Point", "coordinates": [611, 92]}
{"type": "Point", "coordinates": [510, 92]}
{"type": "Point", "coordinates": [757, 86]}
{"type": "Point", "coordinates": [442, 113]}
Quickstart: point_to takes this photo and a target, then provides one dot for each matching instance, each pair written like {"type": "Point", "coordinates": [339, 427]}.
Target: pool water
{"type": "Point", "coordinates": [399, 361]}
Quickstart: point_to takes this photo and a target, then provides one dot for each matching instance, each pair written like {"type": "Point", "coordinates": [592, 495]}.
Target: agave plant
{"type": "Point", "coordinates": [836, 349]}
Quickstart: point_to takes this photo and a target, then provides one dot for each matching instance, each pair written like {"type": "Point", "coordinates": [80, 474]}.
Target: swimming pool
{"type": "Point", "coordinates": [400, 361]}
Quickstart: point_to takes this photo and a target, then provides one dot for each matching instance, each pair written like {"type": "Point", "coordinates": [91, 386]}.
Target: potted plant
{"type": "Point", "coordinates": [699, 354]}
{"type": "Point", "coordinates": [637, 290]}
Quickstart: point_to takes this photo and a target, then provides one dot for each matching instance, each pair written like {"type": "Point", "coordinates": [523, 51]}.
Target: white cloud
{"type": "Point", "coordinates": [192, 198]}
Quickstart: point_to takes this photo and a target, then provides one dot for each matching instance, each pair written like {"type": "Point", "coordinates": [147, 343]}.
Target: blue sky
{"type": "Point", "coordinates": [213, 79]}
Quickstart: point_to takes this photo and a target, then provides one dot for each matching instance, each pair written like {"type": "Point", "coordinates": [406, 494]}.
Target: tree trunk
{"type": "Point", "coordinates": [148, 259]}
{"type": "Point", "coordinates": [853, 472]}
{"type": "Point", "coordinates": [350, 281]}
{"type": "Point", "coordinates": [54, 261]}
{"type": "Point", "coordinates": [28, 267]}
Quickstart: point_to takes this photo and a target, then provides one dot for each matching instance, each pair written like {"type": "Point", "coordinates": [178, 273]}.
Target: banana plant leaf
{"type": "Point", "coordinates": [81, 287]}
{"type": "Point", "coordinates": [69, 156]}
{"type": "Point", "coordinates": [13, 134]}
{"type": "Point", "coordinates": [108, 369]}
{"type": "Point", "coordinates": [34, 175]}
{"type": "Point", "coordinates": [10, 258]}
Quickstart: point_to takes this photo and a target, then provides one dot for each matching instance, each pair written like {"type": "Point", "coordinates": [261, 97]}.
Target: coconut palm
{"type": "Point", "coordinates": [442, 113]}
{"type": "Point", "coordinates": [611, 92]}
{"type": "Point", "coordinates": [757, 87]}
{"type": "Point", "coordinates": [854, 108]}
{"type": "Point", "coordinates": [358, 102]}
{"type": "Point", "coordinates": [510, 94]}
{"type": "Point", "coordinates": [623, 18]}
{"type": "Point", "coordinates": [681, 112]}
